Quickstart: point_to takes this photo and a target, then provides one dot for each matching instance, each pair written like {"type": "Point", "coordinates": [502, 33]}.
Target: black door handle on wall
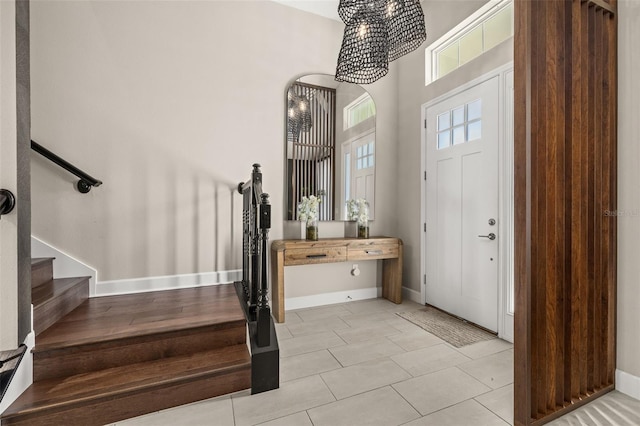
{"type": "Point", "coordinates": [7, 201]}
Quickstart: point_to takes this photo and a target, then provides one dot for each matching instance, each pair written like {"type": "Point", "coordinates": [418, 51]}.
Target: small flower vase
{"type": "Point", "coordinates": [312, 230]}
{"type": "Point", "coordinates": [363, 230]}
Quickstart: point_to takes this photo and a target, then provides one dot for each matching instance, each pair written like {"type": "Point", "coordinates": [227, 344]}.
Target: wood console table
{"type": "Point", "coordinates": [332, 250]}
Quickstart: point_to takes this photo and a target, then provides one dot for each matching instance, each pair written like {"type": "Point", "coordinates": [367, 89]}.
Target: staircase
{"type": "Point", "coordinates": [105, 359]}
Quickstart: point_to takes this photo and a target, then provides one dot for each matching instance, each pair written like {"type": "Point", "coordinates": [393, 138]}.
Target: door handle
{"type": "Point", "coordinates": [491, 236]}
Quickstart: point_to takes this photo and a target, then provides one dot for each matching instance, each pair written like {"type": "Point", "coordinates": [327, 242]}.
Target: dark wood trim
{"type": "Point", "coordinates": [565, 95]}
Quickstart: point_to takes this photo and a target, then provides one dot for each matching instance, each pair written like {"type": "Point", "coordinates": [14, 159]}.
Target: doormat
{"type": "Point", "coordinates": [447, 327]}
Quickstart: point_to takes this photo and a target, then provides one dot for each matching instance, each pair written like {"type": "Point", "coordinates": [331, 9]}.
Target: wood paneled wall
{"type": "Point", "coordinates": [565, 199]}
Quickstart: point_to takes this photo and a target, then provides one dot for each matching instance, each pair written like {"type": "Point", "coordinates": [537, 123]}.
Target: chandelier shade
{"type": "Point", "coordinates": [364, 55]}
{"type": "Point", "coordinates": [351, 11]}
{"type": "Point", "coordinates": [406, 27]}
{"type": "Point", "coordinates": [376, 33]}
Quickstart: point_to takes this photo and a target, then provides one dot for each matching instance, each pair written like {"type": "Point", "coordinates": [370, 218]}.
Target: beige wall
{"type": "Point", "coordinates": [628, 350]}
{"type": "Point", "coordinates": [169, 103]}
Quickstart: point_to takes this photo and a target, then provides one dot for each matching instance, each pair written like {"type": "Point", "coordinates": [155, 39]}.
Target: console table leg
{"type": "Point", "coordinates": [277, 284]}
{"type": "Point", "coordinates": [392, 278]}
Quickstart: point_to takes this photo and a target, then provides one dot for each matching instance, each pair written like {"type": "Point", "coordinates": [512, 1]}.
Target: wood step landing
{"type": "Point", "coordinates": [118, 357]}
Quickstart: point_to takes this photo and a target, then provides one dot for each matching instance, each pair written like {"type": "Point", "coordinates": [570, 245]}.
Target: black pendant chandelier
{"type": "Point", "coordinates": [376, 33]}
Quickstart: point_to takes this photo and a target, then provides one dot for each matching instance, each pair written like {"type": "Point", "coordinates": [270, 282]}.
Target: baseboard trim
{"type": "Point", "coordinates": [414, 296]}
{"type": "Point", "coordinates": [167, 282]}
{"type": "Point", "coordinates": [332, 298]}
{"type": "Point", "coordinates": [628, 384]}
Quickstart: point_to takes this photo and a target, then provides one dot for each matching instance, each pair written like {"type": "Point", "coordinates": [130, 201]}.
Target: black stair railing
{"type": "Point", "coordinates": [253, 290]}
{"type": "Point", "coordinates": [86, 181]}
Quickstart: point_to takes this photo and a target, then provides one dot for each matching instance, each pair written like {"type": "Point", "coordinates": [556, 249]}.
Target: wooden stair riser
{"type": "Point", "coordinates": [79, 359]}
{"type": "Point", "coordinates": [41, 271]}
{"type": "Point", "coordinates": [112, 408]}
{"type": "Point", "coordinates": [49, 312]}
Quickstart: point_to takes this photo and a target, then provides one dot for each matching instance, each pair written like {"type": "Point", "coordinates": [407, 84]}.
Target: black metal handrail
{"type": "Point", "coordinates": [86, 181]}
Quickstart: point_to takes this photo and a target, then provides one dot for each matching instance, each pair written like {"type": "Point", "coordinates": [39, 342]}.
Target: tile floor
{"type": "Point", "coordinates": [360, 364]}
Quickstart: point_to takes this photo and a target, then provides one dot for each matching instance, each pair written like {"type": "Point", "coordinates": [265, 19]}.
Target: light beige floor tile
{"type": "Point", "coordinates": [368, 319]}
{"type": "Point", "coordinates": [494, 370]}
{"type": "Point", "coordinates": [430, 359]}
{"type": "Point", "coordinates": [403, 325]}
{"type": "Point", "coordinates": [317, 326]}
{"type": "Point", "coordinates": [500, 401]}
{"type": "Point", "coordinates": [466, 413]}
{"type": "Point", "coordinates": [282, 331]}
{"type": "Point", "coordinates": [363, 377]}
{"type": "Point", "coordinates": [367, 332]}
{"type": "Point", "coordinates": [370, 305]}
{"type": "Point", "coordinates": [314, 314]}
{"type": "Point", "coordinates": [216, 411]}
{"type": "Point", "coordinates": [290, 398]}
{"type": "Point", "coordinates": [309, 343]}
{"type": "Point", "coordinates": [382, 407]}
{"type": "Point", "coordinates": [415, 339]}
{"type": "Point", "coordinates": [298, 419]}
{"type": "Point", "coordinates": [485, 348]}
{"type": "Point", "coordinates": [291, 317]}
{"type": "Point", "coordinates": [612, 409]}
{"type": "Point", "coordinates": [365, 351]}
{"type": "Point", "coordinates": [298, 366]}
{"type": "Point", "coordinates": [442, 389]}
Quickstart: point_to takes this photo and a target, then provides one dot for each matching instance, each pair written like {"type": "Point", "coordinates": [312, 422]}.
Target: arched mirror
{"type": "Point", "coordinates": [331, 139]}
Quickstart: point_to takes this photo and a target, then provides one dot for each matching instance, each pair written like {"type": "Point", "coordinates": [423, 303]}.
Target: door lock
{"type": "Point", "coordinates": [492, 222]}
{"type": "Point", "coordinates": [491, 236]}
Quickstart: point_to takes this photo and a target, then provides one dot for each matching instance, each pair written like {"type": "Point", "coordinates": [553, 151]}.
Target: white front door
{"type": "Point", "coordinates": [462, 138]}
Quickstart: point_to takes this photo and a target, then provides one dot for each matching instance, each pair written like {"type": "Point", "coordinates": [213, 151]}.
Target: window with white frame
{"type": "Point", "coordinates": [358, 111]}
{"type": "Point", "coordinates": [486, 28]}
{"type": "Point", "coordinates": [459, 125]}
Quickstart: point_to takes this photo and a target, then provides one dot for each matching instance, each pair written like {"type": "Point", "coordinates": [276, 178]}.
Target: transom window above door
{"type": "Point", "coordinates": [460, 124]}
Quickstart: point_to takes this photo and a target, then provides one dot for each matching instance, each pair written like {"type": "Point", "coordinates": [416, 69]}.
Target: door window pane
{"type": "Point", "coordinates": [443, 139]}
{"type": "Point", "coordinates": [458, 116]}
{"type": "Point", "coordinates": [474, 110]}
{"type": "Point", "coordinates": [444, 121]}
{"type": "Point", "coordinates": [458, 135]}
{"type": "Point", "coordinates": [474, 130]}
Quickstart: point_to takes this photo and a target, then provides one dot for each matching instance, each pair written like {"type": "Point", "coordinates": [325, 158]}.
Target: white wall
{"type": "Point", "coordinates": [628, 347]}
{"type": "Point", "coordinates": [169, 103]}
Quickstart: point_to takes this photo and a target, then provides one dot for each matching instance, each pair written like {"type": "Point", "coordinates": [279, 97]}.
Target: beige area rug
{"type": "Point", "coordinates": [449, 328]}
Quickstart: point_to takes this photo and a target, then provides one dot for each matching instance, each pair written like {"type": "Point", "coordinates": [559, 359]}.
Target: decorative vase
{"type": "Point", "coordinates": [312, 230]}
{"type": "Point", "coordinates": [363, 230]}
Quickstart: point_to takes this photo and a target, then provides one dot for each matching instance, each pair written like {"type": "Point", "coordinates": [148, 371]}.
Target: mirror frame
{"type": "Point", "coordinates": [299, 132]}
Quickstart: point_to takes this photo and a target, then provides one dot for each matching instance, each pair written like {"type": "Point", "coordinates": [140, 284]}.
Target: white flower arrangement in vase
{"type": "Point", "coordinates": [308, 212]}
{"type": "Point", "coordinates": [358, 210]}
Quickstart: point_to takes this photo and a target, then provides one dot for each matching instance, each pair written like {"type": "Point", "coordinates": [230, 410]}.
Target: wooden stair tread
{"type": "Point", "coordinates": [54, 288]}
{"type": "Point", "coordinates": [62, 393]}
{"type": "Point", "coordinates": [109, 319]}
